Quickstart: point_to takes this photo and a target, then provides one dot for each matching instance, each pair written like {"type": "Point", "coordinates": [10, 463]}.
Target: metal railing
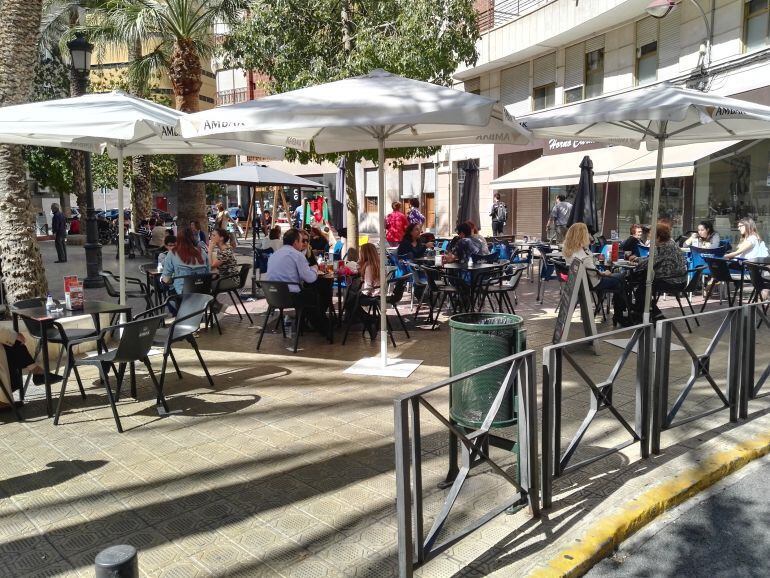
{"type": "Point", "coordinates": [415, 548]}
{"type": "Point", "coordinates": [232, 96]}
{"type": "Point", "coordinates": [503, 11]}
{"type": "Point", "coordinates": [554, 462]}
{"type": "Point", "coordinates": [755, 315]}
{"type": "Point", "coordinates": [663, 416]}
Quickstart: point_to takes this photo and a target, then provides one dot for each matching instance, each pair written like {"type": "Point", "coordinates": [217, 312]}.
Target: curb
{"type": "Point", "coordinates": [604, 535]}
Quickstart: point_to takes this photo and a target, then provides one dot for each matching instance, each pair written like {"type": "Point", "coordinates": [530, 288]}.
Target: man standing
{"type": "Point", "coordinates": [560, 217]}
{"type": "Point", "coordinates": [289, 264]}
{"type": "Point", "coordinates": [499, 214]}
{"type": "Point", "coordinates": [59, 228]}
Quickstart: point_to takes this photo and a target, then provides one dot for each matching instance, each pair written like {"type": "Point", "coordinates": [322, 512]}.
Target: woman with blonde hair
{"type": "Point", "coordinates": [751, 246]}
{"type": "Point", "coordinates": [576, 243]}
{"type": "Point", "coordinates": [369, 269]}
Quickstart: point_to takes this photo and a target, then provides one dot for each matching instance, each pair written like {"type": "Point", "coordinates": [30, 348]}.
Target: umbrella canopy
{"type": "Point", "coordinates": [584, 207]}
{"type": "Point", "coordinates": [116, 121]}
{"type": "Point", "coordinates": [658, 115]}
{"type": "Point", "coordinates": [378, 109]}
{"type": "Point", "coordinates": [469, 196]}
{"type": "Point", "coordinates": [340, 202]}
{"type": "Point", "coordinates": [253, 175]}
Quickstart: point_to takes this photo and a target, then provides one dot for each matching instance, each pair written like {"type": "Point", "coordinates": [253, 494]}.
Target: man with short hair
{"type": "Point", "coordinates": [560, 217]}
{"type": "Point", "coordinates": [499, 214]}
{"type": "Point", "coordinates": [289, 264]}
{"type": "Point", "coordinates": [467, 245]}
{"type": "Point", "coordinates": [59, 230]}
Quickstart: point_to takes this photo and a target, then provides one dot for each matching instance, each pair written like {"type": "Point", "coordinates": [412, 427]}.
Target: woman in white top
{"type": "Point", "coordinates": [705, 238]}
{"type": "Point", "coordinates": [751, 246]}
{"type": "Point", "coordinates": [369, 269]}
{"type": "Point", "coordinates": [576, 243]}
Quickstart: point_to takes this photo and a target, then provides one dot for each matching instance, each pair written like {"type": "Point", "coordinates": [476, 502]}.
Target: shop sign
{"type": "Point", "coordinates": [557, 146]}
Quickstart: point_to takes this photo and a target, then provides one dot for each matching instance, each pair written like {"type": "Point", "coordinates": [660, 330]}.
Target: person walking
{"type": "Point", "coordinates": [560, 217]}
{"type": "Point", "coordinates": [59, 228]}
{"type": "Point", "coordinates": [499, 214]}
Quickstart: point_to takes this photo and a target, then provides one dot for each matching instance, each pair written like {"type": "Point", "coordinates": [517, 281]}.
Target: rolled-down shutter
{"type": "Point", "coordinates": [668, 44]}
{"type": "Point", "coordinates": [544, 70]}
{"type": "Point", "coordinates": [574, 61]}
{"type": "Point", "coordinates": [514, 88]}
{"type": "Point", "coordinates": [428, 178]}
{"type": "Point", "coordinates": [410, 181]}
{"type": "Point", "coordinates": [371, 182]}
{"type": "Point", "coordinates": [646, 31]}
{"type": "Point", "coordinates": [529, 211]}
{"type": "Point", "coordinates": [595, 43]}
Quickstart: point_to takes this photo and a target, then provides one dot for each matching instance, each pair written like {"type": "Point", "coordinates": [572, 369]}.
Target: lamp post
{"type": "Point", "coordinates": [661, 9]}
{"type": "Point", "coordinates": [80, 68]}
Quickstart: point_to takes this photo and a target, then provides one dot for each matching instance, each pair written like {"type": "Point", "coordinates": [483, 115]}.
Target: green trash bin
{"type": "Point", "coordinates": [478, 339]}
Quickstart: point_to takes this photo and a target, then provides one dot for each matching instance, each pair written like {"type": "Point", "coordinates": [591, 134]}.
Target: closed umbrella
{"type": "Point", "coordinates": [659, 115]}
{"type": "Point", "coordinates": [116, 121]}
{"type": "Point", "coordinates": [584, 206]}
{"type": "Point", "coordinates": [340, 201]}
{"type": "Point", "coordinates": [379, 110]}
{"type": "Point", "coordinates": [469, 196]}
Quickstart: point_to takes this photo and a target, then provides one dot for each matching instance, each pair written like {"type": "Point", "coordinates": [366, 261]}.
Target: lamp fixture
{"type": "Point", "coordinates": [80, 53]}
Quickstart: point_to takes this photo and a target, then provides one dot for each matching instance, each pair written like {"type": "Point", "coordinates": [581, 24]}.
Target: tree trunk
{"type": "Point", "coordinates": [141, 170]}
{"type": "Point", "coordinates": [185, 73]}
{"type": "Point", "coordinates": [352, 197]}
{"type": "Point", "coordinates": [22, 264]}
{"type": "Point", "coordinates": [77, 164]}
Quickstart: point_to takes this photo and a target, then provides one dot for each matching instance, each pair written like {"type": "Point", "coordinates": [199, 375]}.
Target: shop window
{"type": "Point", "coordinates": [636, 203]}
{"type": "Point", "coordinates": [370, 206]}
{"type": "Point", "coordinates": [755, 21]}
{"type": "Point", "coordinates": [544, 96]}
{"type": "Point", "coordinates": [647, 63]}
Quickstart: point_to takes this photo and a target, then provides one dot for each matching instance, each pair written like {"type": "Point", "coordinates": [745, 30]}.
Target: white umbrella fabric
{"type": "Point", "coordinates": [116, 121]}
{"type": "Point", "coordinates": [253, 175]}
{"type": "Point", "coordinates": [357, 113]}
{"type": "Point", "coordinates": [657, 115]}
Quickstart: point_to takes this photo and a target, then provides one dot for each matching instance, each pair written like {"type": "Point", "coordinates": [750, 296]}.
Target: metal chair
{"type": "Point", "coordinates": [720, 273]}
{"type": "Point", "coordinates": [134, 345]}
{"type": "Point", "coordinates": [203, 284]}
{"type": "Point", "coordinates": [372, 305]}
{"type": "Point", "coordinates": [191, 309]}
{"type": "Point", "coordinates": [684, 293]}
{"type": "Point", "coordinates": [231, 285]}
{"type": "Point", "coordinates": [760, 281]}
{"type": "Point", "coordinates": [500, 287]}
{"type": "Point", "coordinates": [56, 334]}
{"type": "Point", "coordinates": [112, 285]}
{"type": "Point", "coordinates": [279, 298]}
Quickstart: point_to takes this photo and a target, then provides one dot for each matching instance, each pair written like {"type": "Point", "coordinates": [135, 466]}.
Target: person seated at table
{"type": "Point", "coordinates": [267, 221]}
{"type": "Point", "coordinates": [157, 236]}
{"type": "Point", "coordinates": [410, 247]}
{"type": "Point", "coordinates": [274, 239]}
{"type": "Point", "coordinates": [319, 242]}
{"type": "Point", "coordinates": [221, 253]}
{"type": "Point", "coordinates": [290, 265]}
{"type": "Point", "coordinates": [198, 235]}
{"type": "Point", "coordinates": [576, 247]}
{"type": "Point", "coordinates": [644, 240]}
{"type": "Point", "coordinates": [704, 237]}
{"type": "Point", "coordinates": [145, 228]}
{"type": "Point", "coordinates": [186, 259]}
{"type": "Point", "coordinates": [480, 238]}
{"type": "Point", "coordinates": [15, 358]}
{"type": "Point", "coordinates": [467, 245]}
{"type": "Point", "coordinates": [168, 244]}
{"type": "Point", "coordinates": [751, 246]}
{"type": "Point", "coordinates": [631, 245]}
{"type": "Point", "coordinates": [670, 266]}
{"type": "Point", "coordinates": [369, 269]}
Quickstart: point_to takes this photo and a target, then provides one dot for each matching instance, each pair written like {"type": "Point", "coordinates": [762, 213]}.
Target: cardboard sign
{"type": "Point", "coordinates": [69, 281]}
{"type": "Point", "coordinates": [575, 291]}
{"type": "Point", "coordinates": [73, 293]}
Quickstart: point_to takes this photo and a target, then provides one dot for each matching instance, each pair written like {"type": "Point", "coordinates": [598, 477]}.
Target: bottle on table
{"type": "Point", "coordinates": [49, 303]}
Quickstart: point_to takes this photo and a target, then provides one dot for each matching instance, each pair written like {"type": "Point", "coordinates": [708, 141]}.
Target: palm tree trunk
{"type": "Point", "coordinates": [185, 73]}
{"type": "Point", "coordinates": [23, 272]}
{"type": "Point", "coordinates": [77, 165]}
{"type": "Point", "coordinates": [141, 170]}
{"type": "Point", "coordinates": [352, 198]}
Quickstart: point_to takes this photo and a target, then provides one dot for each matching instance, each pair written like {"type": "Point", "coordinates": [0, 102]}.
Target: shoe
{"type": "Point", "coordinates": [39, 378]}
{"type": "Point", "coordinates": [57, 261]}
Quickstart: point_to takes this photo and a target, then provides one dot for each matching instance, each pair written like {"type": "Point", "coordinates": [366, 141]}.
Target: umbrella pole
{"type": "Point", "coordinates": [121, 230]}
{"type": "Point", "coordinates": [383, 252]}
{"type": "Point", "coordinates": [654, 224]}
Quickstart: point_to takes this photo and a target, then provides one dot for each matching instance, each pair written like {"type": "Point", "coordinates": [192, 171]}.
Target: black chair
{"type": "Point", "coordinates": [191, 309]}
{"type": "Point", "coordinates": [134, 345]}
{"type": "Point", "coordinates": [56, 334]}
{"type": "Point", "coordinates": [135, 288]}
{"type": "Point", "coordinates": [683, 292]}
{"type": "Point", "coordinates": [720, 273]}
{"type": "Point", "coordinates": [760, 281]}
{"type": "Point", "coordinates": [204, 285]}
{"type": "Point", "coordinates": [231, 285]}
{"type": "Point", "coordinates": [443, 287]}
{"type": "Point", "coordinates": [280, 298]}
{"type": "Point", "coordinates": [371, 305]}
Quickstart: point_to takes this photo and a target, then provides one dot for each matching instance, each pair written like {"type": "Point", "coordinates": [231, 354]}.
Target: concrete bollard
{"type": "Point", "coordinates": [117, 562]}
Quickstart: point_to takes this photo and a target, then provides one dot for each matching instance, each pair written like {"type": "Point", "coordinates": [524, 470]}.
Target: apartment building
{"type": "Point", "coordinates": [535, 55]}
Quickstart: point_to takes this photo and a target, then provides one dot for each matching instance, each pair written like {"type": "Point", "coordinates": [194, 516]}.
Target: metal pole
{"type": "Point", "coordinates": [117, 562]}
{"type": "Point", "coordinates": [654, 223]}
{"type": "Point", "coordinates": [383, 252]}
{"type": "Point", "coordinates": [121, 229]}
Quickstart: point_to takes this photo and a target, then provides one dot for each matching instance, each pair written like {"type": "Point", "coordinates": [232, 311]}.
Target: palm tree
{"type": "Point", "coordinates": [178, 34]}
{"type": "Point", "coordinates": [23, 272]}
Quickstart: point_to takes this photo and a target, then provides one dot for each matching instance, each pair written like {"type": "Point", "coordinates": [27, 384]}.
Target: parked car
{"type": "Point", "coordinates": [112, 214]}
{"type": "Point", "coordinates": [165, 216]}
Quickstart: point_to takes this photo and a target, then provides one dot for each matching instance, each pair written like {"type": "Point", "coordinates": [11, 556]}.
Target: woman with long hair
{"type": "Point", "coordinates": [751, 246]}
{"type": "Point", "coordinates": [221, 253]}
{"type": "Point", "coordinates": [576, 246]}
{"type": "Point", "coordinates": [411, 247]}
{"type": "Point", "coordinates": [705, 237]}
{"type": "Point", "coordinates": [369, 269]}
{"type": "Point", "coordinates": [184, 260]}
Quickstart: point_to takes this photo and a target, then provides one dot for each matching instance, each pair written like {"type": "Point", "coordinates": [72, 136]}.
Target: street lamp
{"type": "Point", "coordinates": [80, 68]}
{"type": "Point", "coordinates": [662, 8]}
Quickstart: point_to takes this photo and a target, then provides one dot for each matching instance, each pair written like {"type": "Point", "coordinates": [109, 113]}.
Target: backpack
{"type": "Point", "coordinates": [501, 212]}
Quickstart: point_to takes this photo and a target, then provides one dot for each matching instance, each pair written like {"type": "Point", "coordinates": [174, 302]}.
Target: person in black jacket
{"type": "Point", "coordinates": [411, 247]}
{"type": "Point", "coordinates": [59, 229]}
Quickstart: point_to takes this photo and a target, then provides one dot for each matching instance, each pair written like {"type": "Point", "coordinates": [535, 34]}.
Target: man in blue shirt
{"type": "Point", "coordinates": [289, 264]}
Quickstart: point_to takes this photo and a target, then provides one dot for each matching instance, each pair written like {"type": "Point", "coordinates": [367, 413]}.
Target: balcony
{"type": "Point", "coordinates": [504, 11]}
{"type": "Point", "coordinates": [232, 96]}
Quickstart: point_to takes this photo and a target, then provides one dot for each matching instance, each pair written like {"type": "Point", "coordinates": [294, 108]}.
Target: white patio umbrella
{"type": "Point", "coordinates": [659, 115]}
{"type": "Point", "coordinates": [380, 109]}
{"type": "Point", "coordinates": [123, 124]}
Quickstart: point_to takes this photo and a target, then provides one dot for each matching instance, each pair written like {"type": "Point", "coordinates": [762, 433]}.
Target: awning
{"type": "Point", "coordinates": [613, 164]}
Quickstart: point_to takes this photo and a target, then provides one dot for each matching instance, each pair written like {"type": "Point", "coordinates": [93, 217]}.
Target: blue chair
{"type": "Point", "coordinates": [337, 250]}
{"type": "Point", "coordinates": [642, 252]}
{"type": "Point", "coordinates": [547, 269]}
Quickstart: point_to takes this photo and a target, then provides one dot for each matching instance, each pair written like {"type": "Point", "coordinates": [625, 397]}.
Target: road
{"type": "Point", "coordinates": [722, 532]}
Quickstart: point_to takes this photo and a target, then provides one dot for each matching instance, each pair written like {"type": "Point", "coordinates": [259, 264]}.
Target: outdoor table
{"type": "Point", "coordinates": [742, 264]}
{"type": "Point", "coordinates": [45, 319]}
{"type": "Point", "coordinates": [477, 272]}
{"type": "Point", "coordinates": [153, 281]}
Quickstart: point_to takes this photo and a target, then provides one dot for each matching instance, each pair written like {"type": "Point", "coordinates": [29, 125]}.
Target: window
{"type": "Point", "coordinates": [594, 81]}
{"type": "Point", "coordinates": [646, 50]}
{"type": "Point", "coordinates": [410, 181]}
{"type": "Point", "coordinates": [371, 182]}
{"type": "Point", "coordinates": [755, 16]}
{"type": "Point", "coordinates": [514, 88]}
{"type": "Point", "coordinates": [370, 206]}
{"type": "Point", "coordinates": [544, 96]}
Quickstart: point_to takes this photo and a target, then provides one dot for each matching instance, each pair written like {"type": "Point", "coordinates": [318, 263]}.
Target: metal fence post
{"type": "Point", "coordinates": [660, 383]}
{"type": "Point", "coordinates": [749, 352]}
{"type": "Point", "coordinates": [417, 528]}
{"type": "Point", "coordinates": [734, 362]}
{"type": "Point", "coordinates": [546, 478]}
{"type": "Point", "coordinates": [403, 493]}
{"type": "Point", "coordinates": [527, 426]}
{"type": "Point", "coordinates": [644, 389]}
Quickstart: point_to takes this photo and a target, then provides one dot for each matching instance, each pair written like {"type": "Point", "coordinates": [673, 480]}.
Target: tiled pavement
{"type": "Point", "coordinates": [286, 467]}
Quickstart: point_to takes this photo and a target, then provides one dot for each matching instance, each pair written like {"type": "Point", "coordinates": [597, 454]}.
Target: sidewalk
{"type": "Point", "coordinates": [286, 466]}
